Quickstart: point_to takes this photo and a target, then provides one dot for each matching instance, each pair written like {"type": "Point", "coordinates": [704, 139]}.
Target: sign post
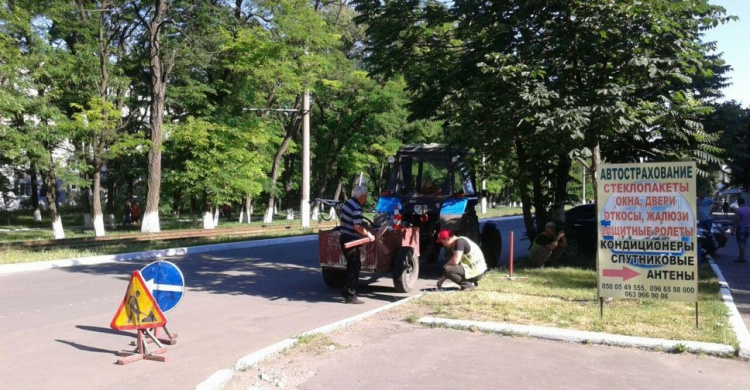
{"type": "Point", "coordinates": [647, 231]}
{"type": "Point", "coordinates": [139, 311]}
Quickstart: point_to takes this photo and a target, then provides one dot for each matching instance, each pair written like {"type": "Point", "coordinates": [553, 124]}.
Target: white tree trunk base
{"type": "Point", "coordinates": [208, 220]}
{"type": "Point", "coordinates": [268, 217]}
{"type": "Point", "coordinates": [99, 226]}
{"type": "Point", "coordinates": [57, 228]}
{"type": "Point", "coordinates": [290, 214]}
{"type": "Point", "coordinates": [150, 223]}
{"type": "Point", "coordinates": [37, 215]}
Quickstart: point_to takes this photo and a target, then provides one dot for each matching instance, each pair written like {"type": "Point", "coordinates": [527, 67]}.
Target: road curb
{"type": "Point", "coordinates": [735, 319]}
{"type": "Point", "coordinates": [219, 379]}
{"type": "Point", "coordinates": [145, 255]}
{"type": "Point", "coordinates": [585, 337]}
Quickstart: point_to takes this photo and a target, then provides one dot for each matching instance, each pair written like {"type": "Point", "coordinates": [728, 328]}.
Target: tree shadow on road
{"type": "Point", "coordinates": [289, 271]}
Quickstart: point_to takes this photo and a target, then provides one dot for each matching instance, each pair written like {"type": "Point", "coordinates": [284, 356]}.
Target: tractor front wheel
{"type": "Point", "coordinates": [405, 269]}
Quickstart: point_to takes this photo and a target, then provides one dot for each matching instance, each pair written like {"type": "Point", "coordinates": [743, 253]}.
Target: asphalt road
{"type": "Point", "coordinates": [54, 324]}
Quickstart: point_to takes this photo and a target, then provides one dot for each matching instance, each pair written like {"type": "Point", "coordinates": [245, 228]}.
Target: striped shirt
{"type": "Point", "coordinates": [351, 214]}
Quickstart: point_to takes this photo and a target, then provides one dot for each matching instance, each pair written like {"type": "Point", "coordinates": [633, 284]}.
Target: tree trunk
{"type": "Point", "coordinates": [50, 180]}
{"type": "Point", "coordinates": [111, 195]}
{"type": "Point", "coordinates": [596, 161]}
{"type": "Point", "coordinates": [562, 174]}
{"type": "Point", "coordinates": [86, 208]}
{"type": "Point", "coordinates": [159, 74]}
{"type": "Point", "coordinates": [34, 192]}
{"type": "Point", "coordinates": [246, 212]}
{"type": "Point", "coordinates": [97, 204]}
{"type": "Point", "coordinates": [523, 185]}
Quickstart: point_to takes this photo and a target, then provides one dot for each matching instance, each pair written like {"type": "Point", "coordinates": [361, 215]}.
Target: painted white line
{"type": "Point", "coordinates": [579, 336]}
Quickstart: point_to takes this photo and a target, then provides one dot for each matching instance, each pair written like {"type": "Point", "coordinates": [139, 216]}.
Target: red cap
{"type": "Point", "coordinates": [445, 233]}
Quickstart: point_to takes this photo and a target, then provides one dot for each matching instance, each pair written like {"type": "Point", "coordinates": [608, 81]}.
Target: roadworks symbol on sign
{"type": "Point", "coordinates": [138, 309]}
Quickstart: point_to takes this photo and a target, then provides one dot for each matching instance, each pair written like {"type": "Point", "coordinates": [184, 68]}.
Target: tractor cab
{"type": "Point", "coordinates": [430, 187]}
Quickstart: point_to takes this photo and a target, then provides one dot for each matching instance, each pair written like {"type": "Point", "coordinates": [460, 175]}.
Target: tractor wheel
{"type": "Point", "coordinates": [405, 269]}
{"type": "Point", "coordinates": [492, 244]}
{"type": "Point", "coordinates": [334, 278]}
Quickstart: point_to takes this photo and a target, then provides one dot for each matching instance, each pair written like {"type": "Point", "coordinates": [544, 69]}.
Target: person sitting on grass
{"type": "Point", "coordinates": [466, 265]}
{"type": "Point", "coordinates": [548, 247]}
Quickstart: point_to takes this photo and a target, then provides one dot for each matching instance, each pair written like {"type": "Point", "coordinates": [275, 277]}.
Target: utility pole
{"type": "Point", "coordinates": [305, 201]}
{"type": "Point", "coordinates": [583, 172]}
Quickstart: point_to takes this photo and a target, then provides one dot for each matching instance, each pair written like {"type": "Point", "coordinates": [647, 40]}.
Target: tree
{"type": "Point", "coordinates": [35, 131]}
{"type": "Point", "coordinates": [549, 81]}
{"type": "Point", "coordinates": [216, 164]}
{"type": "Point", "coordinates": [732, 123]}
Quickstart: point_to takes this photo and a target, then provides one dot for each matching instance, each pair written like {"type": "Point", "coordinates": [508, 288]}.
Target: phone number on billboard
{"type": "Point", "coordinates": [654, 292]}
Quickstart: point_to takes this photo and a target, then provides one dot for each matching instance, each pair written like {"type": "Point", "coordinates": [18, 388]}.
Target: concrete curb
{"type": "Point", "coordinates": [62, 263]}
{"type": "Point", "coordinates": [219, 379]}
{"type": "Point", "coordinates": [735, 319]}
{"type": "Point", "coordinates": [584, 337]}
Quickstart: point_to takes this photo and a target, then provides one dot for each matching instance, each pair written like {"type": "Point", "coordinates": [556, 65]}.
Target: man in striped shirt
{"type": "Point", "coordinates": [353, 228]}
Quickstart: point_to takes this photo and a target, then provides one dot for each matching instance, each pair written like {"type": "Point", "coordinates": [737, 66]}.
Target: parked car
{"type": "Point", "coordinates": [581, 233]}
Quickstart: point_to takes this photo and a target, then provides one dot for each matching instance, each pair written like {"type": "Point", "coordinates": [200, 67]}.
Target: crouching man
{"type": "Point", "coordinates": [466, 264]}
{"type": "Point", "coordinates": [548, 246]}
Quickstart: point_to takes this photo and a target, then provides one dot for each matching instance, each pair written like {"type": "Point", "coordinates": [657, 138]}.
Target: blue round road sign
{"type": "Point", "coordinates": [166, 283]}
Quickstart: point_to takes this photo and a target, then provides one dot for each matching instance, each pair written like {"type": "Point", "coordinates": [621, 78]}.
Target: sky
{"type": "Point", "coordinates": [731, 40]}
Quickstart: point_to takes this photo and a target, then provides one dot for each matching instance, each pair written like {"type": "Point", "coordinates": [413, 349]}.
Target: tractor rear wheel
{"type": "Point", "coordinates": [492, 244]}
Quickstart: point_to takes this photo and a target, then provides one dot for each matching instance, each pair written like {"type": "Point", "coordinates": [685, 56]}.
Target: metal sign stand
{"type": "Point", "coordinates": [169, 340]}
{"type": "Point", "coordinates": [159, 338]}
{"type": "Point", "coordinates": [142, 351]}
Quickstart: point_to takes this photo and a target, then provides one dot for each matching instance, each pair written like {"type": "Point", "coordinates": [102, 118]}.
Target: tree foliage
{"type": "Point", "coordinates": [544, 82]}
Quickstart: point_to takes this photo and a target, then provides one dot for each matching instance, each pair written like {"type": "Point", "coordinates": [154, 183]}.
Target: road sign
{"type": "Point", "coordinates": [166, 283]}
{"type": "Point", "coordinates": [138, 309]}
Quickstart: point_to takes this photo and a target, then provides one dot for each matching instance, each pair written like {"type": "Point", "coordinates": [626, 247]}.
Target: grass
{"type": "Point", "coordinates": [567, 298]}
{"type": "Point", "coordinates": [43, 231]}
{"type": "Point", "coordinates": [15, 255]}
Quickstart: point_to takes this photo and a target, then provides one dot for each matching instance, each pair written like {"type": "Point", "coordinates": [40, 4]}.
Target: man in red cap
{"type": "Point", "coordinates": [466, 264]}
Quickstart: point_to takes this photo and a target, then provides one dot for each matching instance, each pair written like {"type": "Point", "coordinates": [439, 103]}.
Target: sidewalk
{"type": "Point", "coordinates": [380, 362]}
{"type": "Point", "coordinates": [736, 276]}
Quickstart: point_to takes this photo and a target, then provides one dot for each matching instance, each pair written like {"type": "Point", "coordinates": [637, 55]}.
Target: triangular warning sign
{"type": "Point", "coordinates": [138, 309]}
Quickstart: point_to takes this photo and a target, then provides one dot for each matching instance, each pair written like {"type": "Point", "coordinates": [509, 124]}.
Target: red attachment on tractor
{"type": "Point", "coordinates": [396, 218]}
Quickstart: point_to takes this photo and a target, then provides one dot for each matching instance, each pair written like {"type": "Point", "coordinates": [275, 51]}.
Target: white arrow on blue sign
{"type": "Point", "coordinates": [165, 282]}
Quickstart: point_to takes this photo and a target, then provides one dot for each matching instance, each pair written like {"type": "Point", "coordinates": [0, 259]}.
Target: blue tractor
{"type": "Point", "coordinates": [431, 187]}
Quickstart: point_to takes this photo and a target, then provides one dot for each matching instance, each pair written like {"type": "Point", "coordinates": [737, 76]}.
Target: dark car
{"type": "Point", "coordinates": [581, 233]}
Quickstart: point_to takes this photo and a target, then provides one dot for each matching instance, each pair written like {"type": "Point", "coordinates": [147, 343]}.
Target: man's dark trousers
{"type": "Point", "coordinates": [353, 266]}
